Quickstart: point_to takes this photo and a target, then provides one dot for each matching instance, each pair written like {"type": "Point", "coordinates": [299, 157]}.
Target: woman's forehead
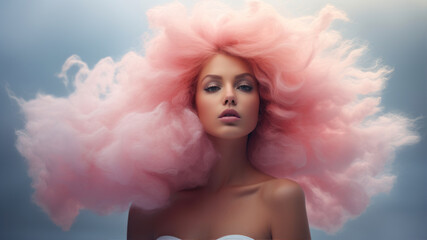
{"type": "Point", "coordinates": [224, 65]}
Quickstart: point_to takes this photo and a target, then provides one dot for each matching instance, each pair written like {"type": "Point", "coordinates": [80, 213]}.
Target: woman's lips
{"type": "Point", "coordinates": [229, 116]}
{"type": "Point", "coordinates": [229, 113]}
{"type": "Point", "coordinates": [229, 119]}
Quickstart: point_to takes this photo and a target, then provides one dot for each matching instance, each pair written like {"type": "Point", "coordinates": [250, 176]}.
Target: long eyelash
{"type": "Point", "coordinates": [211, 89]}
{"type": "Point", "coordinates": [246, 88]}
{"type": "Point", "coordinates": [214, 88]}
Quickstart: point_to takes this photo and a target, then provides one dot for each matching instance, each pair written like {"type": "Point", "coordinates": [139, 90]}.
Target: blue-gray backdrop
{"type": "Point", "coordinates": [37, 36]}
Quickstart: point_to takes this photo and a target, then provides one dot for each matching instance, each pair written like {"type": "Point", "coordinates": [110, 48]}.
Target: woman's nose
{"type": "Point", "coordinates": [230, 97]}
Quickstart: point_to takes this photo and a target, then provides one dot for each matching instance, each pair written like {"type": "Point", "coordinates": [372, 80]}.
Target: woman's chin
{"type": "Point", "coordinates": [229, 134]}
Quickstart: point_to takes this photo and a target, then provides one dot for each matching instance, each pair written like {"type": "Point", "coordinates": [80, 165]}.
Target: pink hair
{"type": "Point", "coordinates": [128, 133]}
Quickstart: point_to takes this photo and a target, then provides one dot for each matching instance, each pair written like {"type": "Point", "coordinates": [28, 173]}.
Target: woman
{"type": "Point", "coordinates": [237, 198]}
{"type": "Point", "coordinates": [145, 130]}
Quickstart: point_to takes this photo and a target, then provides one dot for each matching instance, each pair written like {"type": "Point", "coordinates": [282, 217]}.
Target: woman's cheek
{"type": "Point", "coordinates": [254, 112]}
{"type": "Point", "coordinates": [204, 111]}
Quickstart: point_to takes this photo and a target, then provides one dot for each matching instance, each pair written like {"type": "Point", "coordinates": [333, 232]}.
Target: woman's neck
{"type": "Point", "coordinates": [233, 167]}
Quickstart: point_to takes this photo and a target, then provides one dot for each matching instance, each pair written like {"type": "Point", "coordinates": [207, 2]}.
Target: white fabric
{"type": "Point", "coordinates": [228, 237]}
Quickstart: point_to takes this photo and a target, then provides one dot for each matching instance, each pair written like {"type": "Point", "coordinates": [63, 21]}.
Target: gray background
{"type": "Point", "coordinates": [36, 37]}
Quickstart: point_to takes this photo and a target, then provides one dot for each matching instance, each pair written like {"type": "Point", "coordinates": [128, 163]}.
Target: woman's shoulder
{"type": "Point", "coordinates": [279, 191]}
{"type": "Point", "coordinates": [285, 202]}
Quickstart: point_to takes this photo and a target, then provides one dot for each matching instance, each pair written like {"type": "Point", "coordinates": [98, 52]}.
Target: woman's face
{"type": "Point", "coordinates": [227, 98]}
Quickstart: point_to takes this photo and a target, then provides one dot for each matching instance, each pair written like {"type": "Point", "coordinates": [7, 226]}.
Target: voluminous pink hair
{"type": "Point", "coordinates": [128, 132]}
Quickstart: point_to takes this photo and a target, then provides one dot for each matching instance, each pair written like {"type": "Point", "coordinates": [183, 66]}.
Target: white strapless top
{"type": "Point", "coordinates": [228, 237]}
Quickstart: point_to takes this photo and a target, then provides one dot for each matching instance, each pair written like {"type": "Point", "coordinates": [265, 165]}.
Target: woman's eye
{"type": "Point", "coordinates": [212, 89]}
{"type": "Point", "coordinates": [245, 88]}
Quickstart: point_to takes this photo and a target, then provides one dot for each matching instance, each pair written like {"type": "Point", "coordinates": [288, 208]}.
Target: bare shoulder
{"type": "Point", "coordinates": [279, 191]}
{"type": "Point", "coordinates": [286, 203]}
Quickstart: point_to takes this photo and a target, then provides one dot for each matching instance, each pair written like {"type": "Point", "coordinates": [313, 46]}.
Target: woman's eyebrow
{"type": "Point", "coordinates": [214, 77]}
{"type": "Point", "coordinates": [240, 76]}
{"type": "Point", "coordinates": [245, 75]}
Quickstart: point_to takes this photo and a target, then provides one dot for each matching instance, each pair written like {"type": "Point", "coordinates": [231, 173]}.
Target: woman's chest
{"type": "Point", "coordinates": [211, 217]}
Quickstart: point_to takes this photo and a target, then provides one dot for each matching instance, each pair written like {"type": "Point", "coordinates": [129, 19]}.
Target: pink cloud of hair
{"type": "Point", "coordinates": [128, 133]}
